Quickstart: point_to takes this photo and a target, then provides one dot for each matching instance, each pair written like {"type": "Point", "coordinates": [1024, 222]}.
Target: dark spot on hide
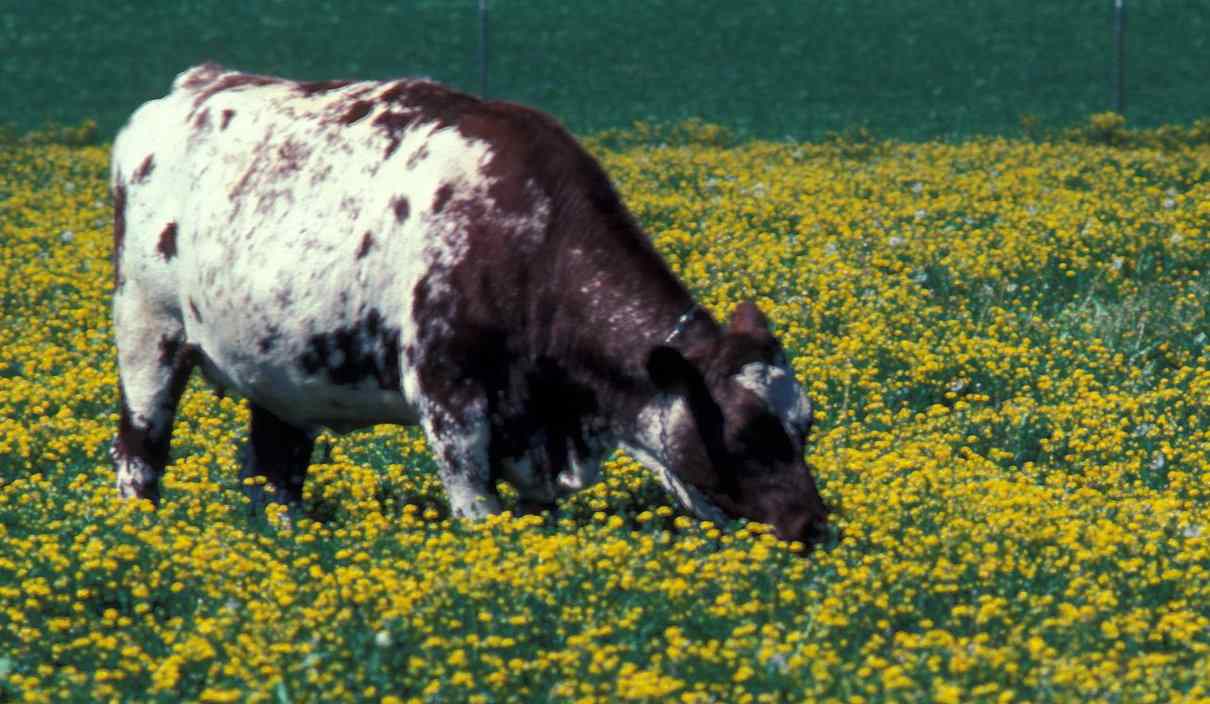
{"type": "Point", "coordinates": [369, 349]}
{"type": "Point", "coordinates": [309, 88]}
{"type": "Point", "coordinates": [167, 246]}
{"type": "Point", "coordinates": [393, 124]}
{"type": "Point", "coordinates": [442, 197]}
{"type": "Point", "coordinates": [435, 102]}
{"type": "Point", "coordinates": [425, 102]}
{"type": "Point", "coordinates": [144, 170]}
{"type": "Point", "coordinates": [227, 115]}
{"type": "Point", "coordinates": [193, 309]}
{"type": "Point", "coordinates": [202, 75]}
{"type": "Point", "coordinates": [401, 207]}
{"type": "Point", "coordinates": [396, 91]}
{"type": "Point", "coordinates": [202, 119]}
{"type": "Point", "coordinates": [366, 243]}
{"type": "Point", "coordinates": [290, 156]}
{"type": "Point", "coordinates": [228, 81]}
{"type": "Point", "coordinates": [417, 156]}
{"type": "Point", "coordinates": [356, 111]}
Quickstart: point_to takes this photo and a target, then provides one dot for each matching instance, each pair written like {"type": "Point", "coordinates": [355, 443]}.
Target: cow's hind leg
{"type": "Point", "coordinates": [280, 453]}
{"type": "Point", "coordinates": [154, 363]}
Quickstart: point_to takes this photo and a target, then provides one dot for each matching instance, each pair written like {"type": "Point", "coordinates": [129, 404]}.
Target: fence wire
{"type": "Point", "coordinates": [908, 69]}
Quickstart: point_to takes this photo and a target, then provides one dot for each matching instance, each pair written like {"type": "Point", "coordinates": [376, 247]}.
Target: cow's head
{"type": "Point", "coordinates": [732, 429]}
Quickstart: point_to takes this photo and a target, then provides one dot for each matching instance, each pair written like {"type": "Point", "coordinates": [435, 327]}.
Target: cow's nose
{"type": "Point", "coordinates": [802, 527]}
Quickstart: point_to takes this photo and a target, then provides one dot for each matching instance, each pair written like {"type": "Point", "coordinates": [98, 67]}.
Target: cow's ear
{"type": "Point", "coordinates": [747, 319]}
{"type": "Point", "coordinates": [669, 370]}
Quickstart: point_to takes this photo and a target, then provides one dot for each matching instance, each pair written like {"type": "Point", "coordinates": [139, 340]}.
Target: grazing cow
{"type": "Point", "coordinates": [350, 253]}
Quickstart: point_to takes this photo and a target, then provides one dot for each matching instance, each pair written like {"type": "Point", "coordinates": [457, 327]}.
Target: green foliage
{"type": "Point", "coordinates": [913, 69]}
{"type": "Point", "coordinates": [1006, 344]}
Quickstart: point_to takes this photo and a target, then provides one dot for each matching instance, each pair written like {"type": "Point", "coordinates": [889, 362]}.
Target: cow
{"type": "Point", "coordinates": [350, 253]}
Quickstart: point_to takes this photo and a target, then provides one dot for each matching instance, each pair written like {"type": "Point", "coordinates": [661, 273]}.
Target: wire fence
{"type": "Point", "coordinates": [908, 69]}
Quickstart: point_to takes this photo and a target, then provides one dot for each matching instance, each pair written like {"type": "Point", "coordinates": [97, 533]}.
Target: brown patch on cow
{"type": "Point", "coordinates": [193, 309]}
{"type": "Point", "coordinates": [417, 156]}
{"type": "Point", "coordinates": [202, 120]}
{"type": "Point", "coordinates": [283, 297]}
{"type": "Point", "coordinates": [119, 230]}
{"type": "Point", "coordinates": [366, 243]}
{"type": "Point", "coordinates": [250, 176]}
{"type": "Point", "coordinates": [229, 81]}
{"type": "Point", "coordinates": [393, 124]}
{"type": "Point", "coordinates": [368, 349]}
{"type": "Point", "coordinates": [290, 156]}
{"type": "Point", "coordinates": [502, 330]}
{"type": "Point", "coordinates": [201, 75]}
{"type": "Point", "coordinates": [442, 197]}
{"type": "Point", "coordinates": [423, 101]}
{"type": "Point", "coordinates": [309, 88]}
{"type": "Point", "coordinates": [395, 92]}
{"type": "Point", "coordinates": [144, 170]}
{"type": "Point", "coordinates": [356, 111]}
{"type": "Point", "coordinates": [435, 102]}
{"type": "Point", "coordinates": [167, 245]}
{"type": "Point", "coordinates": [226, 120]}
{"type": "Point", "coordinates": [401, 207]}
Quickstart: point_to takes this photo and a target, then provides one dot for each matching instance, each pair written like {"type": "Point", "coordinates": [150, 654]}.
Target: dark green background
{"type": "Point", "coordinates": [902, 68]}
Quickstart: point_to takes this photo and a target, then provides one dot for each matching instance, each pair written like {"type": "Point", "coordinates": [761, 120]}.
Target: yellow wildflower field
{"type": "Point", "coordinates": [1006, 344]}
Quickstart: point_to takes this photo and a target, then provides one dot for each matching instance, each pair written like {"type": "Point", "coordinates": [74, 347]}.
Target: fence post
{"type": "Point", "coordinates": [1119, 44]}
{"type": "Point", "coordinates": [483, 48]}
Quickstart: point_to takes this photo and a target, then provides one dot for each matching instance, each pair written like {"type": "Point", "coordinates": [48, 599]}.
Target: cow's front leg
{"type": "Point", "coordinates": [459, 438]}
{"type": "Point", "coordinates": [280, 453]}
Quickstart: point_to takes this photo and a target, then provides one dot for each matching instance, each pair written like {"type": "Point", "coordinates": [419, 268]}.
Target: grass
{"type": "Point", "coordinates": [1006, 343]}
{"type": "Point", "coordinates": [918, 69]}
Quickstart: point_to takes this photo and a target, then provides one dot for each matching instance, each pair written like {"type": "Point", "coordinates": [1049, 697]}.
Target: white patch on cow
{"type": "Point", "coordinates": [777, 387]}
{"type": "Point", "coordinates": [276, 195]}
{"type": "Point", "coordinates": [261, 254]}
{"type": "Point", "coordinates": [650, 448]}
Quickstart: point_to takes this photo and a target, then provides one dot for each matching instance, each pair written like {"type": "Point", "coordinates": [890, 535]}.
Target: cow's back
{"type": "Point", "coordinates": [290, 225]}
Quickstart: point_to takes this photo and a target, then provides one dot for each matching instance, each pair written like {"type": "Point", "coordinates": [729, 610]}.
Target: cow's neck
{"type": "Point", "coordinates": [657, 310]}
{"type": "Point", "coordinates": [619, 301]}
